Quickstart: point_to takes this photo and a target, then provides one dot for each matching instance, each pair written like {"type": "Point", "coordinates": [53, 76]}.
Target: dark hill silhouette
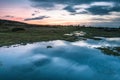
{"type": "Point", "coordinates": [10, 23]}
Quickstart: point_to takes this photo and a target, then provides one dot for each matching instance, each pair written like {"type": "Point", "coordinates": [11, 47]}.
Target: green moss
{"type": "Point", "coordinates": [109, 51]}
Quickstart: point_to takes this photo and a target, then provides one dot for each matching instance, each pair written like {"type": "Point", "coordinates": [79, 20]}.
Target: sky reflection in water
{"type": "Point", "coordinates": [65, 61]}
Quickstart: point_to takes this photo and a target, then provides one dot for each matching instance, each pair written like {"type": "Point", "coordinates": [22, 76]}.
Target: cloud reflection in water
{"type": "Point", "coordinates": [64, 61]}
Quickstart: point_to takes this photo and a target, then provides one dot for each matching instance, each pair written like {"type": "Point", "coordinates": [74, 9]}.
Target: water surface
{"type": "Point", "coordinates": [78, 60]}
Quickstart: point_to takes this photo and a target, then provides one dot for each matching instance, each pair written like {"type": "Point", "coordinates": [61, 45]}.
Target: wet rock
{"type": "Point", "coordinates": [49, 47]}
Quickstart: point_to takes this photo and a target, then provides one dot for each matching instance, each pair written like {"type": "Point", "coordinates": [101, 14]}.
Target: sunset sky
{"type": "Point", "coordinates": [62, 12]}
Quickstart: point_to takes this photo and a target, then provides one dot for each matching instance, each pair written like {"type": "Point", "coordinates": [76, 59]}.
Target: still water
{"type": "Point", "coordinates": [65, 60]}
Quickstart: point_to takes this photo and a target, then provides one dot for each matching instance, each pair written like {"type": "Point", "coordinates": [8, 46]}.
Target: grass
{"type": "Point", "coordinates": [33, 35]}
{"type": "Point", "coordinates": [7, 37]}
{"type": "Point", "coordinates": [111, 51]}
{"type": "Point", "coordinates": [36, 33]}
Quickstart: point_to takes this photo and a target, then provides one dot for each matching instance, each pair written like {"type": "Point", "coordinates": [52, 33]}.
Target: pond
{"type": "Point", "coordinates": [60, 60]}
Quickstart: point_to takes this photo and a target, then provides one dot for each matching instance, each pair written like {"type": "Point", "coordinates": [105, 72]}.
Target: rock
{"type": "Point", "coordinates": [49, 46]}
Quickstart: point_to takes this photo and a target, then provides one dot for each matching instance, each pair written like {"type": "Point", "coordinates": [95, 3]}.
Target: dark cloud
{"type": "Point", "coordinates": [35, 12]}
{"type": "Point", "coordinates": [73, 10]}
{"type": "Point", "coordinates": [103, 10]}
{"type": "Point", "coordinates": [70, 9]}
{"type": "Point", "coordinates": [51, 3]}
{"type": "Point", "coordinates": [98, 10]}
{"type": "Point", "coordinates": [36, 18]}
{"type": "Point", "coordinates": [95, 10]}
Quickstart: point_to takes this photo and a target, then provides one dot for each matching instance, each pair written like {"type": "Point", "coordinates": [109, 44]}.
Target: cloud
{"type": "Point", "coordinates": [106, 22]}
{"type": "Point", "coordinates": [51, 3]}
{"type": "Point", "coordinates": [8, 16]}
{"type": "Point", "coordinates": [98, 10]}
{"type": "Point", "coordinates": [111, 4]}
{"type": "Point", "coordinates": [70, 9]}
{"type": "Point", "coordinates": [116, 20]}
{"type": "Point", "coordinates": [35, 13]}
{"type": "Point", "coordinates": [99, 19]}
{"type": "Point", "coordinates": [36, 18]}
{"type": "Point", "coordinates": [103, 10]}
{"type": "Point", "coordinates": [95, 7]}
{"type": "Point", "coordinates": [108, 19]}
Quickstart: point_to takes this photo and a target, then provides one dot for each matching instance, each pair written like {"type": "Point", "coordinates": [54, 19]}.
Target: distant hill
{"type": "Point", "coordinates": [11, 23]}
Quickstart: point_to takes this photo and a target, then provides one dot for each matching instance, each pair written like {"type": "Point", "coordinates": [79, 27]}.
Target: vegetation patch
{"type": "Point", "coordinates": [27, 33]}
{"type": "Point", "coordinates": [111, 51]}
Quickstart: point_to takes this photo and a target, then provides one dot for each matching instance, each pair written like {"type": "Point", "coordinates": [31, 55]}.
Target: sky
{"type": "Point", "coordinates": [62, 12]}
